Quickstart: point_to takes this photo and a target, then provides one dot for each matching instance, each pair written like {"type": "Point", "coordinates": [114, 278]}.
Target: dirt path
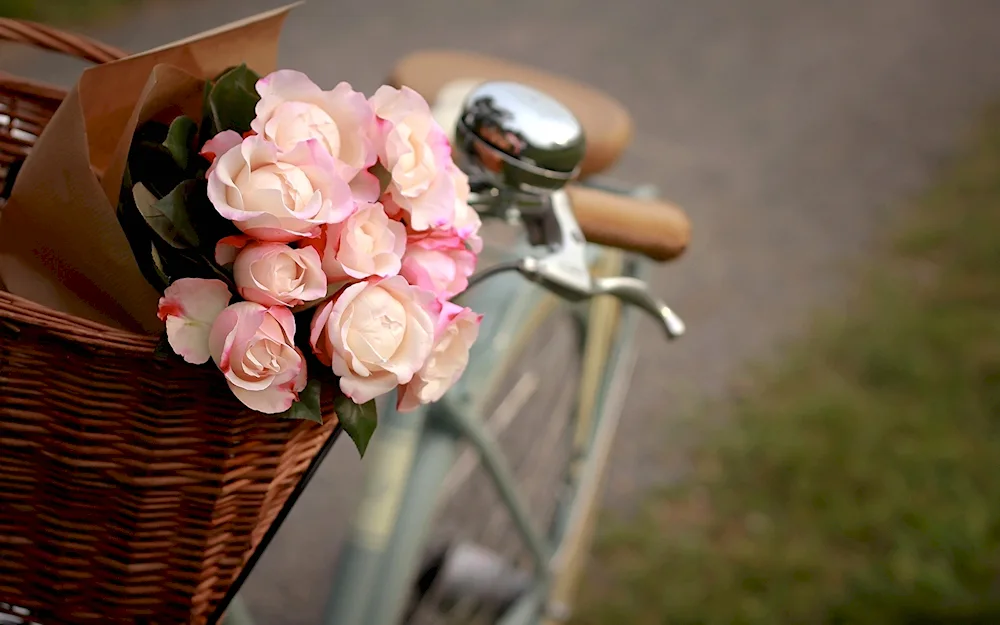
{"type": "Point", "coordinates": [789, 129]}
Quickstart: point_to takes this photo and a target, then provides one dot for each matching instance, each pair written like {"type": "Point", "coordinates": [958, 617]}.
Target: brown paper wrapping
{"type": "Point", "coordinates": [60, 241]}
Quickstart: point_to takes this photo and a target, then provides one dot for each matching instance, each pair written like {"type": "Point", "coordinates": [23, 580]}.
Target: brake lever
{"type": "Point", "coordinates": [627, 289]}
{"type": "Point", "coordinates": [634, 291]}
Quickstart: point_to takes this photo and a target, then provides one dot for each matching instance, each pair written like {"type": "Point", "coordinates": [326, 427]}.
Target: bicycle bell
{"type": "Point", "coordinates": [514, 136]}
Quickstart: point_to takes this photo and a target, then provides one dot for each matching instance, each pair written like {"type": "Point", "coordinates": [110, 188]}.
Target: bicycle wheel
{"type": "Point", "coordinates": [545, 426]}
{"type": "Point", "coordinates": [531, 414]}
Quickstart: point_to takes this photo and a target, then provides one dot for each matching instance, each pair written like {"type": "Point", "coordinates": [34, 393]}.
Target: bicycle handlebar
{"type": "Point", "coordinates": [658, 229]}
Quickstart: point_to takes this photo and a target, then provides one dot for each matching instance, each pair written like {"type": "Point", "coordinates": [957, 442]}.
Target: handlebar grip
{"type": "Point", "coordinates": [658, 229]}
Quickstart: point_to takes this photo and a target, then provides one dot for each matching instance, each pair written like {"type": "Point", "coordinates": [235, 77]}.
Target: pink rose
{"type": "Point", "coordinates": [417, 155]}
{"type": "Point", "coordinates": [254, 347]}
{"type": "Point", "coordinates": [292, 108]}
{"type": "Point", "coordinates": [274, 274]}
{"type": "Point", "coordinates": [467, 222]}
{"type": "Point", "coordinates": [375, 334]}
{"type": "Point", "coordinates": [439, 262]}
{"type": "Point", "coordinates": [457, 330]}
{"type": "Point", "coordinates": [189, 307]}
{"type": "Point", "coordinates": [220, 144]}
{"type": "Point", "coordinates": [367, 244]}
{"type": "Point", "coordinates": [227, 248]}
{"type": "Point", "coordinates": [278, 196]}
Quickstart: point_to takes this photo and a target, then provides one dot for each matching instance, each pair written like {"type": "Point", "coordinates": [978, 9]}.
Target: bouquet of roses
{"type": "Point", "coordinates": [294, 231]}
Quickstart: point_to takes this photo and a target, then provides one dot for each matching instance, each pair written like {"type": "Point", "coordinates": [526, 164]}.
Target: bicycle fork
{"type": "Point", "coordinates": [408, 462]}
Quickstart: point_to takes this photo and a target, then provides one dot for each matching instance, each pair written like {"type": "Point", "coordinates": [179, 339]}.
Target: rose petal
{"type": "Point", "coordinates": [286, 320]}
{"type": "Point", "coordinates": [438, 261]}
{"type": "Point", "coordinates": [418, 338]}
{"type": "Point", "coordinates": [197, 299]}
{"type": "Point", "coordinates": [234, 326]}
{"type": "Point", "coordinates": [189, 307]}
{"type": "Point", "coordinates": [188, 340]}
{"type": "Point", "coordinates": [288, 84]}
{"type": "Point", "coordinates": [318, 328]}
{"type": "Point", "coordinates": [407, 398]}
{"type": "Point", "coordinates": [227, 248]}
{"type": "Point", "coordinates": [220, 144]}
{"type": "Point", "coordinates": [271, 400]}
{"type": "Point", "coordinates": [364, 389]}
{"type": "Point", "coordinates": [365, 187]}
{"type": "Point", "coordinates": [457, 330]}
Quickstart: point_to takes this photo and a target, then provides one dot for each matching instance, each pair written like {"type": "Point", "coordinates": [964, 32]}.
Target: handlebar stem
{"type": "Point", "coordinates": [563, 271]}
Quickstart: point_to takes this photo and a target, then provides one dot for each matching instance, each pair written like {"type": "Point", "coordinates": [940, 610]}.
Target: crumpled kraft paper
{"type": "Point", "coordinates": [60, 241]}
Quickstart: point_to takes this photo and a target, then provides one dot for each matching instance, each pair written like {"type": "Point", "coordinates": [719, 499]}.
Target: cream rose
{"type": "Point", "coordinates": [367, 244]}
{"type": "Point", "coordinates": [292, 109]}
{"type": "Point", "coordinates": [278, 196]}
{"type": "Point", "coordinates": [457, 330]}
{"type": "Point", "coordinates": [254, 347]}
{"type": "Point", "coordinates": [375, 335]}
{"type": "Point", "coordinates": [274, 274]}
{"type": "Point", "coordinates": [417, 155]}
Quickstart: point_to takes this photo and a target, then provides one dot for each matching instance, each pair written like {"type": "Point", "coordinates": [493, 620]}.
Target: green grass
{"type": "Point", "coordinates": [859, 481]}
{"type": "Point", "coordinates": [61, 12]}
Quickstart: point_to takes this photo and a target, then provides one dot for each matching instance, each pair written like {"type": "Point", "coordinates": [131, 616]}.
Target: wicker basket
{"type": "Point", "coordinates": [132, 490]}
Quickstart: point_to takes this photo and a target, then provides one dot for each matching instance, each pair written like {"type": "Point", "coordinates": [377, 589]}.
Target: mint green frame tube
{"type": "Point", "coordinates": [435, 457]}
{"type": "Point", "coordinates": [375, 570]}
{"type": "Point", "coordinates": [410, 457]}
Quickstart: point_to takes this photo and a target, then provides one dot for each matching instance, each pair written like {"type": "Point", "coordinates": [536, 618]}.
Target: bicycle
{"type": "Point", "coordinates": [520, 148]}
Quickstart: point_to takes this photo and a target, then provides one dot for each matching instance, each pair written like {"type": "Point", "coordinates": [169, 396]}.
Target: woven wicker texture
{"type": "Point", "coordinates": [132, 489]}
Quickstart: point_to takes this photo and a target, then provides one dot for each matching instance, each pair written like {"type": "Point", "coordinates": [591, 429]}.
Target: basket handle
{"type": "Point", "coordinates": [49, 38]}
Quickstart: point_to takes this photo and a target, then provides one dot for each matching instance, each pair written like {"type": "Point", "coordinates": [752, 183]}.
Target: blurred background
{"type": "Point", "coordinates": [823, 446]}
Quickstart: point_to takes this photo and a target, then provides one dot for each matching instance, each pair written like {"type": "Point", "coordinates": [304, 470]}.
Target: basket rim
{"type": "Point", "coordinates": [23, 311]}
{"type": "Point", "coordinates": [31, 87]}
{"type": "Point", "coordinates": [55, 39]}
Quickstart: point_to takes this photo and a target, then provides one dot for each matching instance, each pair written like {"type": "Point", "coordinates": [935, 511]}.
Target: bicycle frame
{"type": "Point", "coordinates": [411, 460]}
{"type": "Point", "coordinates": [411, 455]}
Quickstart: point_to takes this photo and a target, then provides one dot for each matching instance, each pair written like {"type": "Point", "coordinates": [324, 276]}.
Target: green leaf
{"type": "Point", "coordinates": [168, 216]}
{"type": "Point", "coordinates": [233, 98]}
{"type": "Point", "coordinates": [180, 136]}
{"type": "Point", "coordinates": [208, 129]}
{"type": "Point", "coordinates": [126, 177]}
{"type": "Point", "coordinates": [139, 236]}
{"type": "Point", "coordinates": [151, 163]}
{"type": "Point", "coordinates": [207, 222]}
{"type": "Point", "coordinates": [163, 351]}
{"type": "Point", "coordinates": [358, 420]}
{"type": "Point", "coordinates": [308, 406]}
{"type": "Point", "coordinates": [219, 273]}
{"type": "Point", "coordinates": [174, 207]}
{"type": "Point", "coordinates": [158, 267]}
{"type": "Point", "coordinates": [384, 176]}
